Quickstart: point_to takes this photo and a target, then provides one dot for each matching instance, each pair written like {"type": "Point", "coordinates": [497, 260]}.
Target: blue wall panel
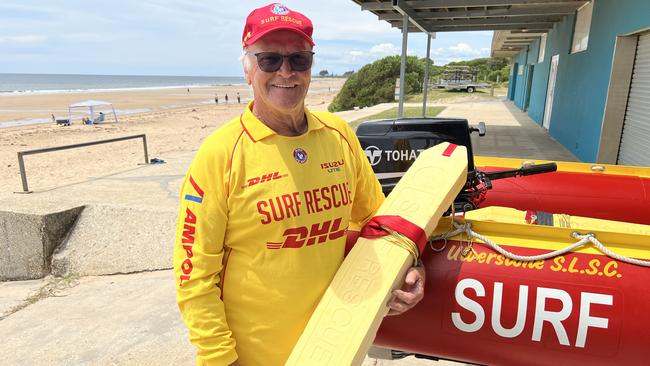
{"type": "Point", "coordinates": [582, 78]}
{"type": "Point", "coordinates": [512, 81]}
{"type": "Point", "coordinates": [519, 83]}
{"type": "Point", "coordinates": [538, 90]}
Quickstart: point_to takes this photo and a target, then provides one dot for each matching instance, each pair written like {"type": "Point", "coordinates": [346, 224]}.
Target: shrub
{"type": "Point", "coordinates": [375, 83]}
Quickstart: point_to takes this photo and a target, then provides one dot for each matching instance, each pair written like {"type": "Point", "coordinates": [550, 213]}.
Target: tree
{"type": "Point", "coordinates": [348, 73]}
{"type": "Point", "coordinates": [375, 83]}
{"type": "Point", "coordinates": [487, 68]}
{"type": "Point", "coordinates": [323, 73]}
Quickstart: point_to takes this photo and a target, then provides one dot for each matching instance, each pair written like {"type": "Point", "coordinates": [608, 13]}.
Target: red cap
{"type": "Point", "coordinates": [273, 17]}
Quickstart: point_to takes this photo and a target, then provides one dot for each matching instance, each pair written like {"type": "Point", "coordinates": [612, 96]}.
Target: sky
{"type": "Point", "coordinates": [195, 37]}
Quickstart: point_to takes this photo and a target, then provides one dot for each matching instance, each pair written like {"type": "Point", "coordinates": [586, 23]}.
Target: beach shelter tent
{"type": "Point", "coordinates": [91, 105]}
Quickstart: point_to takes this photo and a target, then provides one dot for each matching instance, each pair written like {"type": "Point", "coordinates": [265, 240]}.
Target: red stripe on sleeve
{"type": "Point", "coordinates": [196, 187]}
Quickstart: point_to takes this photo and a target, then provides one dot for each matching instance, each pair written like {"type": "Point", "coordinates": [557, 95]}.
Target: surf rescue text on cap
{"type": "Point", "coordinates": [274, 17]}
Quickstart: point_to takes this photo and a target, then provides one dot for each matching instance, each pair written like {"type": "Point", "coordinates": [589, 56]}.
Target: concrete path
{"type": "Point", "coordinates": [106, 320]}
{"type": "Point", "coordinates": [132, 319]}
{"type": "Point", "coordinates": [510, 132]}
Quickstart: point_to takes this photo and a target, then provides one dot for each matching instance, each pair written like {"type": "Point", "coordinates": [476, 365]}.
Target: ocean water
{"type": "Point", "coordinates": [53, 83]}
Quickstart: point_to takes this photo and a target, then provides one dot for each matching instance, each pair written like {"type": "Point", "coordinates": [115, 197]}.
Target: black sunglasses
{"type": "Point", "coordinates": [272, 61]}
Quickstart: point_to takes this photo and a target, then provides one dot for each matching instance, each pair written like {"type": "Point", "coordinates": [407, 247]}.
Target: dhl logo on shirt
{"type": "Point", "coordinates": [298, 237]}
{"type": "Point", "coordinates": [263, 178]}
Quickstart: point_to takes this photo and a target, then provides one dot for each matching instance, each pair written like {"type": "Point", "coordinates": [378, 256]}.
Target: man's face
{"type": "Point", "coordinates": [282, 91]}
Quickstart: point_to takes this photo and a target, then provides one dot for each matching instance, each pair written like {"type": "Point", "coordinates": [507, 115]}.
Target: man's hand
{"type": "Point", "coordinates": [410, 294]}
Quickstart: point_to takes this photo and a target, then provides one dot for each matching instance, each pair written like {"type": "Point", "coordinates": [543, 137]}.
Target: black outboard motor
{"type": "Point", "coordinates": [392, 145]}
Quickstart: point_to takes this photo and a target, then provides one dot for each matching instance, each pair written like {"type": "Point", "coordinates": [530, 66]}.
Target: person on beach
{"type": "Point", "coordinates": [226, 98]}
{"type": "Point", "coordinates": [269, 206]}
{"type": "Point", "coordinates": [216, 99]}
{"type": "Point", "coordinates": [238, 98]}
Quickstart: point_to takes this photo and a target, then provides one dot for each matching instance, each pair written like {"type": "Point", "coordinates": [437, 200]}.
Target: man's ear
{"type": "Point", "coordinates": [246, 66]}
{"type": "Point", "coordinates": [247, 76]}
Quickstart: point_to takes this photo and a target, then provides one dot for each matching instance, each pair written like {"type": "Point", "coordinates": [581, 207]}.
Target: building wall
{"type": "Point", "coordinates": [519, 83]}
{"type": "Point", "coordinates": [582, 78]}
{"type": "Point", "coordinates": [512, 81]}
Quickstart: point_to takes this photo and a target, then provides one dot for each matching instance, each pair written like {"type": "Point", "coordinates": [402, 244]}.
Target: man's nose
{"type": "Point", "coordinates": [285, 68]}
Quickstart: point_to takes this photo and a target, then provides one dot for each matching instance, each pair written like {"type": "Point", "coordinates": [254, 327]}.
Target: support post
{"type": "Point", "coordinates": [426, 77]}
{"type": "Point", "coordinates": [23, 174]}
{"type": "Point", "coordinates": [402, 69]}
{"type": "Point", "coordinates": [146, 153]}
{"type": "Point", "coordinates": [114, 115]}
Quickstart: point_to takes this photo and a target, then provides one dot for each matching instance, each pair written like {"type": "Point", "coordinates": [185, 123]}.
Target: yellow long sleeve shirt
{"type": "Point", "coordinates": [261, 232]}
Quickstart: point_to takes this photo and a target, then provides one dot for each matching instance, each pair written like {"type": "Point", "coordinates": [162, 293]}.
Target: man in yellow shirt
{"type": "Point", "coordinates": [267, 205]}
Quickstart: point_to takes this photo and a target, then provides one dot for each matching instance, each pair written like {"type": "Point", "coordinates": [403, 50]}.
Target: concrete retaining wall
{"type": "Point", "coordinates": [84, 241]}
{"type": "Point", "coordinates": [28, 240]}
{"type": "Point", "coordinates": [109, 240]}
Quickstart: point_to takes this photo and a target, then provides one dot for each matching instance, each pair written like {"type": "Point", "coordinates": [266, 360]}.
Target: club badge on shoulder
{"type": "Point", "coordinates": [300, 155]}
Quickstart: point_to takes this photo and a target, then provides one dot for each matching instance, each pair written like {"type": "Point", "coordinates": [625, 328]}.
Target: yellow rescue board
{"type": "Point", "coordinates": [583, 224]}
{"type": "Point", "coordinates": [508, 226]}
{"type": "Point", "coordinates": [345, 322]}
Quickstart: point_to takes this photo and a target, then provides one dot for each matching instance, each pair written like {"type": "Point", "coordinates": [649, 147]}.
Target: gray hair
{"type": "Point", "coordinates": [245, 61]}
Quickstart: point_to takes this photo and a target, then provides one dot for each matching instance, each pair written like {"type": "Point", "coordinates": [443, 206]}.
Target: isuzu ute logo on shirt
{"type": "Point", "coordinates": [333, 166]}
{"type": "Point", "coordinates": [297, 237]}
{"type": "Point", "coordinates": [263, 178]}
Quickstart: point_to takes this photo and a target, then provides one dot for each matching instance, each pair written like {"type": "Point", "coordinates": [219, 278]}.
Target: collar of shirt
{"type": "Point", "coordinates": [257, 130]}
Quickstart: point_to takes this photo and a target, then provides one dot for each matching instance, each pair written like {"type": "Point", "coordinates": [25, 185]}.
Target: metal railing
{"type": "Point", "coordinates": [21, 162]}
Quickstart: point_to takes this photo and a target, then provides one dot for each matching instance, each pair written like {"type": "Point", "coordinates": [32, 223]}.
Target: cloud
{"type": "Point", "coordinates": [461, 48]}
{"type": "Point", "coordinates": [342, 20]}
{"type": "Point", "coordinates": [385, 48]}
{"type": "Point", "coordinates": [26, 39]}
{"type": "Point", "coordinates": [195, 36]}
{"type": "Point", "coordinates": [92, 38]}
{"type": "Point", "coordinates": [358, 57]}
{"type": "Point", "coordinates": [460, 51]}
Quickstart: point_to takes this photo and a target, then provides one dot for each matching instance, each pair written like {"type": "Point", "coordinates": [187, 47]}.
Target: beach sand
{"type": "Point", "coordinates": [174, 121]}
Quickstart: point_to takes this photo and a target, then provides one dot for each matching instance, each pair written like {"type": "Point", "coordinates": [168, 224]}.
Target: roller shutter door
{"type": "Point", "coordinates": [635, 140]}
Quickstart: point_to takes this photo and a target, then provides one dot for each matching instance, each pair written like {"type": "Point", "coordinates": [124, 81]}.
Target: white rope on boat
{"type": "Point", "coordinates": [609, 253]}
{"type": "Point", "coordinates": [582, 240]}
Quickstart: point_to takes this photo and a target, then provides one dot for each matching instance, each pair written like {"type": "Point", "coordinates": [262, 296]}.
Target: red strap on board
{"type": "Point", "coordinates": [373, 229]}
